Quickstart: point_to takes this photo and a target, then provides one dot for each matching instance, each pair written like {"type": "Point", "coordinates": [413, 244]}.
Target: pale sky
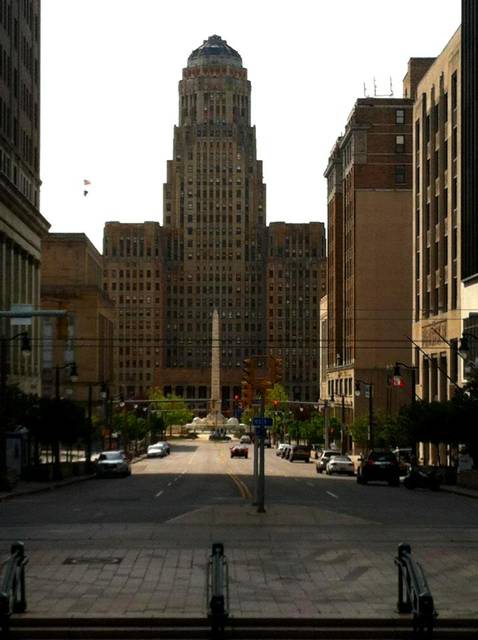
{"type": "Point", "coordinates": [110, 73]}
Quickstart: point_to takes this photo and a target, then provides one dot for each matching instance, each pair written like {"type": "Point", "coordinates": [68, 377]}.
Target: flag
{"type": "Point", "coordinates": [86, 183]}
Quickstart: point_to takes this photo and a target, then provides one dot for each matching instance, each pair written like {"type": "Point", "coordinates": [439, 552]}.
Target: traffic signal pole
{"type": "Point", "coordinates": [261, 479]}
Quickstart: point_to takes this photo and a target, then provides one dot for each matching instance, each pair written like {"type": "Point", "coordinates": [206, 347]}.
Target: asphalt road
{"type": "Point", "coordinates": [200, 474]}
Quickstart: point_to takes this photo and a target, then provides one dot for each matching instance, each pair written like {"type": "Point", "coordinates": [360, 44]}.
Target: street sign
{"type": "Point", "coordinates": [260, 432]}
{"type": "Point", "coordinates": [261, 421]}
{"type": "Point", "coordinates": [22, 308]}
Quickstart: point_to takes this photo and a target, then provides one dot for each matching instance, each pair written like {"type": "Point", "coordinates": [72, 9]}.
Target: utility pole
{"type": "Point", "coordinates": [326, 424]}
{"type": "Point", "coordinates": [261, 477]}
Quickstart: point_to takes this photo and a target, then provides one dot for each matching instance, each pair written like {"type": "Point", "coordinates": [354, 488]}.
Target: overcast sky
{"type": "Point", "coordinates": [110, 72]}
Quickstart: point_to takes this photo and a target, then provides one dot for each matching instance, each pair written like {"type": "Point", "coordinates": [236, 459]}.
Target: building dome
{"type": "Point", "coordinates": [214, 51]}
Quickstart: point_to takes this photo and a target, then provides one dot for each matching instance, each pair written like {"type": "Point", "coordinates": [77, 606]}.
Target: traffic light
{"type": "Point", "coordinates": [276, 370]}
{"type": "Point", "coordinates": [276, 404]}
{"type": "Point", "coordinates": [247, 394]}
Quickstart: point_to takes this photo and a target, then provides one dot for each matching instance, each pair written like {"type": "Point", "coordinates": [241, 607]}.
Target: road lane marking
{"type": "Point", "coordinates": [159, 493]}
{"type": "Point", "coordinates": [238, 485]}
{"type": "Point", "coordinates": [332, 494]}
{"type": "Point", "coordinates": [247, 493]}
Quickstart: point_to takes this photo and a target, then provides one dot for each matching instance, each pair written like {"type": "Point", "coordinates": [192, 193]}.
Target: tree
{"type": "Point", "coordinates": [173, 408]}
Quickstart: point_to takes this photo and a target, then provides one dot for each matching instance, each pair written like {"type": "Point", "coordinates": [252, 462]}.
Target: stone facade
{"type": "Point", "coordinates": [72, 279]}
{"type": "Point", "coordinates": [21, 224]}
{"type": "Point", "coordinates": [437, 224]}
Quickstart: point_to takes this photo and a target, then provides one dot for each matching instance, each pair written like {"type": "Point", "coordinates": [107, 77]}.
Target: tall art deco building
{"type": "Point", "coordinates": [214, 251]}
{"type": "Point", "coordinates": [214, 218]}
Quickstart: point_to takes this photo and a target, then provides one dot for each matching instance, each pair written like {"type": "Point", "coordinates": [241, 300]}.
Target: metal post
{"type": "Point", "coordinates": [89, 427]}
{"type": "Point", "coordinates": [326, 424]}
{"type": "Point", "coordinates": [342, 432]}
{"type": "Point", "coordinates": [261, 477]}
{"type": "Point", "coordinates": [414, 384]}
{"type": "Point", "coordinates": [370, 414]}
{"type": "Point", "coordinates": [56, 445]}
{"type": "Point", "coordinates": [256, 470]}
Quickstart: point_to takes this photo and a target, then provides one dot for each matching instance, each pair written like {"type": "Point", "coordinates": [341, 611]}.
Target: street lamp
{"type": "Point", "coordinates": [397, 375]}
{"type": "Point", "coordinates": [4, 371]}
{"type": "Point", "coordinates": [368, 389]}
{"type": "Point", "coordinates": [73, 376]}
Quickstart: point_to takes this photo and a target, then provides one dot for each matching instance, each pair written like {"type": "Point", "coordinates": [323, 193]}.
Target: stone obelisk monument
{"type": "Point", "coordinates": [215, 417]}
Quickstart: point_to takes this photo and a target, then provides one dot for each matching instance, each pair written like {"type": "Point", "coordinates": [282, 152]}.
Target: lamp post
{"type": "Point", "coordinates": [4, 371]}
{"type": "Point", "coordinates": [396, 374]}
{"type": "Point", "coordinates": [368, 389]}
{"type": "Point", "coordinates": [73, 377]}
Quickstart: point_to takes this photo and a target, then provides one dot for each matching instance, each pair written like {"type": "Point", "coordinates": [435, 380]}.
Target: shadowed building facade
{"type": "Point", "coordinates": [21, 224]}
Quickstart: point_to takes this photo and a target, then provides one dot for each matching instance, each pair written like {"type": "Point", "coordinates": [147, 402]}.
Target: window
{"type": "Point", "coordinates": [400, 174]}
{"type": "Point", "coordinates": [399, 144]}
{"type": "Point", "coordinates": [400, 116]}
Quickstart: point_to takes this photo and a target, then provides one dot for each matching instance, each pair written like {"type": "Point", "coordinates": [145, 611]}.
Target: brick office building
{"type": "Point", "coordinates": [133, 279]}
{"type": "Point", "coordinates": [369, 299]}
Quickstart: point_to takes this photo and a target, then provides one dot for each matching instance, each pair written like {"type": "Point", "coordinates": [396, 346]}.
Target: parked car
{"type": "Point", "coordinates": [379, 465]}
{"type": "Point", "coordinates": [321, 463]}
{"type": "Point", "coordinates": [112, 463]}
{"type": "Point", "coordinates": [245, 440]}
{"type": "Point", "coordinates": [157, 450]}
{"type": "Point", "coordinates": [280, 448]}
{"type": "Point", "coordinates": [340, 464]}
{"type": "Point", "coordinates": [285, 451]}
{"type": "Point", "coordinates": [422, 478]}
{"type": "Point", "coordinates": [163, 443]}
{"type": "Point", "coordinates": [299, 452]}
{"type": "Point", "coordinates": [239, 451]}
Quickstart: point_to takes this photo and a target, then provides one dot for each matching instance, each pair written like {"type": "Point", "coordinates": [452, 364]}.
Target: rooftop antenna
{"type": "Point", "coordinates": [382, 95]}
{"type": "Point", "coordinates": [365, 90]}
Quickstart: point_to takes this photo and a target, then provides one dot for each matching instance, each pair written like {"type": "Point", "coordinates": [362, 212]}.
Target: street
{"type": "Point", "coordinates": [325, 545]}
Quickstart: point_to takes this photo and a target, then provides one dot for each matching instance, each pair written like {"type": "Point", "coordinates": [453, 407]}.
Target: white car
{"type": "Point", "coordinates": [340, 464]}
{"type": "Point", "coordinates": [156, 451]}
{"type": "Point", "coordinates": [112, 463]}
{"type": "Point", "coordinates": [280, 447]}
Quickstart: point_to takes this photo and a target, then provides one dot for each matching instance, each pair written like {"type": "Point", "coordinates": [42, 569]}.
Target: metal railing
{"type": "Point", "coordinates": [414, 594]}
{"type": "Point", "coordinates": [12, 586]}
{"type": "Point", "coordinates": [217, 590]}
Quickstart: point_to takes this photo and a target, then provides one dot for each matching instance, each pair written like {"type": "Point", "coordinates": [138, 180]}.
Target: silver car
{"type": "Point", "coordinates": [158, 450]}
{"type": "Point", "coordinates": [340, 464]}
{"type": "Point", "coordinates": [112, 463]}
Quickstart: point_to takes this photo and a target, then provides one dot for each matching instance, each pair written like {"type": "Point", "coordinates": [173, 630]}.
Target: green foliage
{"type": "Point", "coordinates": [277, 394]}
{"type": "Point", "coordinates": [359, 431]}
{"type": "Point", "coordinates": [173, 409]}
